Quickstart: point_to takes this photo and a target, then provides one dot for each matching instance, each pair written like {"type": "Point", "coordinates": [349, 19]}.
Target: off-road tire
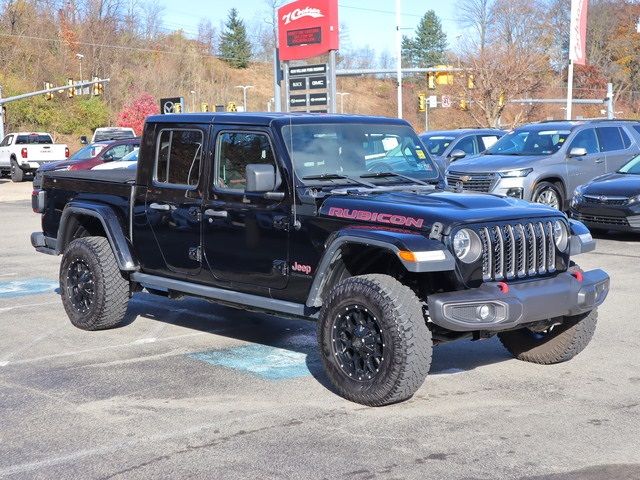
{"type": "Point", "coordinates": [406, 356]}
{"type": "Point", "coordinates": [17, 174]}
{"type": "Point", "coordinates": [111, 289]}
{"type": "Point", "coordinates": [562, 343]}
{"type": "Point", "coordinates": [543, 187]}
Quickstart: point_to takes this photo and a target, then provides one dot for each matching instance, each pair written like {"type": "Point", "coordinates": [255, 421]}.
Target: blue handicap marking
{"type": "Point", "coordinates": [23, 288]}
{"type": "Point", "coordinates": [272, 363]}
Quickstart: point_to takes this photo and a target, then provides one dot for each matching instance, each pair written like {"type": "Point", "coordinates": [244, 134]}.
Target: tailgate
{"type": "Point", "coordinates": [46, 153]}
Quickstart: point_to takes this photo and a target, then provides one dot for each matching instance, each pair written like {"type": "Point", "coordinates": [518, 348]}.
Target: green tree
{"type": "Point", "coordinates": [235, 48]}
{"type": "Point", "coordinates": [427, 48]}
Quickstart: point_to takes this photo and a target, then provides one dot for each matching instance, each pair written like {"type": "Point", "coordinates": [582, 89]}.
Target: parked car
{"type": "Point", "coordinates": [545, 162]}
{"type": "Point", "coordinates": [23, 153]}
{"type": "Point", "coordinates": [104, 134]}
{"type": "Point", "coordinates": [129, 161]}
{"type": "Point", "coordinates": [610, 202]}
{"type": "Point", "coordinates": [282, 214]}
{"type": "Point", "coordinates": [446, 146]}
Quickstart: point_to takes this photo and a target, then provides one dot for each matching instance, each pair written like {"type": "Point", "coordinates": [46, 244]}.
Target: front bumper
{"type": "Point", "coordinates": [625, 218]}
{"type": "Point", "coordinates": [524, 302]}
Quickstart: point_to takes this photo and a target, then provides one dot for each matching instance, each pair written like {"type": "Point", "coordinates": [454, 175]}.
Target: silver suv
{"type": "Point", "coordinates": [545, 162]}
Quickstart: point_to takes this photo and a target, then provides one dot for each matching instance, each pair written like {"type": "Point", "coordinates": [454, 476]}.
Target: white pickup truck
{"type": "Point", "coordinates": [23, 152]}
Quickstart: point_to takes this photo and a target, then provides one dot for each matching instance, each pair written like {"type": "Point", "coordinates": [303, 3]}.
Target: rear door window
{"type": "Point", "coordinates": [610, 139]}
{"type": "Point", "coordinates": [625, 138]}
{"type": "Point", "coordinates": [487, 141]}
{"type": "Point", "coordinates": [178, 157]}
{"type": "Point", "coordinates": [586, 139]}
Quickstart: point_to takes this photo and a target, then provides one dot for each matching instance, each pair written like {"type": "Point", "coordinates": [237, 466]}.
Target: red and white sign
{"type": "Point", "coordinates": [307, 28]}
{"type": "Point", "coordinates": [446, 101]}
{"type": "Point", "coordinates": [578, 32]}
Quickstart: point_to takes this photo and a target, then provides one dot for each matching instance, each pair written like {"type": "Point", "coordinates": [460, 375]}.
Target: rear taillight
{"type": "Point", "coordinates": [24, 153]}
{"type": "Point", "coordinates": [66, 152]}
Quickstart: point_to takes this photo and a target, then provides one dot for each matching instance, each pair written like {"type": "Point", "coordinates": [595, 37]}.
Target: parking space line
{"type": "Point", "coordinates": [7, 309]}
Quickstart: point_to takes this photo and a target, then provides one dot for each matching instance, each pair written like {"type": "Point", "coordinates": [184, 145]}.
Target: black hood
{"type": "Point", "coordinates": [614, 184]}
{"type": "Point", "coordinates": [421, 210]}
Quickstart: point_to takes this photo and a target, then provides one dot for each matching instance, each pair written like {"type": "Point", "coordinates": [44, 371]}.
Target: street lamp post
{"type": "Point", "coordinates": [79, 56]}
{"type": "Point", "coordinates": [193, 101]}
{"type": "Point", "coordinates": [342, 95]}
{"type": "Point", "coordinates": [244, 94]}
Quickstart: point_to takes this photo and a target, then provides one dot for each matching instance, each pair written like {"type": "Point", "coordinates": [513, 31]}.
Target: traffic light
{"type": "Point", "coordinates": [464, 106]}
{"type": "Point", "coordinates": [177, 107]}
{"type": "Point", "coordinates": [48, 95]}
{"type": "Point", "coordinates": [71, 91]}
{"type": "Point", "coordinates": [501, 100]}
{"type": "Point", "coordinates": [98, 88]}
{"type": "Point", "coordinates": [470, 83]}
{"type": "Point", "coordinates": [422, 102]}
{"type": "Point", "coordinates": [431, 80]}
{"type": "Point", "coordinates": [204, 107]}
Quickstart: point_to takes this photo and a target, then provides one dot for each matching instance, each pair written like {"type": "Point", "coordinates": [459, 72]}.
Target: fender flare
{"type": "Point", "coordinates": [112, 227]}
{"type": "Point", "coordinates": [430, 255]}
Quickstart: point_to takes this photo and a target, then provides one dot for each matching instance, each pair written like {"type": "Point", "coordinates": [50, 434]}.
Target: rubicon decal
{"type": "Point", "coordinates": [367, 216]}
{"type": "Point", "coordinates": [298, 267]}
{"type": "Point", "coordinates": [299, 13]}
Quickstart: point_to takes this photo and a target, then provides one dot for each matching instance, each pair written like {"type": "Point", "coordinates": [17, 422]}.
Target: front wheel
{"type": "Point", "coordinates": [548, 194]}
{"type": "Point", "coordinates": [374, 341]}
{"type": "Point", "coordinates": [94, 293]}
{"type": "Point", "coordinates": [555, 344]}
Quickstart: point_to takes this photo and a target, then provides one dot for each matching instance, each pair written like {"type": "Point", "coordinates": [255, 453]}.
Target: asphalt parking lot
{"type": "Point", "coordinates": [192, 390]}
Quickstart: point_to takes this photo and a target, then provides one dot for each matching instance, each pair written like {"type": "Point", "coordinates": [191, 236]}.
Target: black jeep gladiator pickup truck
{"type": "Point", "coordinates": [340, 219]}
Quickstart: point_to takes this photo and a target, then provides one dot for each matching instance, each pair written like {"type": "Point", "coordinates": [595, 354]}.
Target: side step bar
{"type": "Point", "coordinates": [225, 296]}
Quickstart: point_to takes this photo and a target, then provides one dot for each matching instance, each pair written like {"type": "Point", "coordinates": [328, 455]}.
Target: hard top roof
{"type": "Point", "coordinates": [270, 118]}
{"type": "Point", "coordinates": [461, 131]}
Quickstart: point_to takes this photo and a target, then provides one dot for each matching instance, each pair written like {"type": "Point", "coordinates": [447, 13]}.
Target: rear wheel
{"type": "Point", "coordinates": [17, 174]}
{"type": "Point", "coordinates": [94, 293]}
{"type": "Point", "coordinates": [374, 341]}
{"type": "Point", "coordinates": [555, 344]}
{"type": "Point", "coordinates": [549, 194]}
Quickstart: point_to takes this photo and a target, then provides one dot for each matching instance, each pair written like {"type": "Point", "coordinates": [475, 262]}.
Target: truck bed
{"type": "Point", "coordinates": [111, 176]}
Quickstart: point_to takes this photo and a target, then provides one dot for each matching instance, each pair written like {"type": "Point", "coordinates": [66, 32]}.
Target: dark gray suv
{"type": "Point", "coordinates": [545, 162]}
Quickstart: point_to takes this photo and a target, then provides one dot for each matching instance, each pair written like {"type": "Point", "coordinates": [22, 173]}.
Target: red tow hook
{"type": "Point", "coordinates": [578, 275]}
{"type": "Point", "coordinates": [504, 288]}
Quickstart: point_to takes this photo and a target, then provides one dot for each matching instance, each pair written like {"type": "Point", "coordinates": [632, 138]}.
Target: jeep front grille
{"type": "Point", "coordinates": [476, 182]}
{"type": "Point", "coordinates": [517, 250]}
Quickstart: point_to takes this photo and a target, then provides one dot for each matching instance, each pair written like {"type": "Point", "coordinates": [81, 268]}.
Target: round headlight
{"type": "Point", "coordinates": [560, 235]}
{"type": "Point", "coordinates": [467, 245]}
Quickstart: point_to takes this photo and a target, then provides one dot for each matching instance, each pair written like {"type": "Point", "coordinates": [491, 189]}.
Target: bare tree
{"type": "Point", "coordinates": [478, 16]}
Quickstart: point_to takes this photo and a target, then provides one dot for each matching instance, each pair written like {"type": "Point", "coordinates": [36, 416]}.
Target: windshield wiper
{"type": "Point", "coordinates": [399, 175]}
{"type": "Point", "coordinates": [337, 176]}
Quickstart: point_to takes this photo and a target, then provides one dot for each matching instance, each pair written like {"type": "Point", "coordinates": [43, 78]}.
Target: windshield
{"type": "Point", "coordinates": [530, 142]}
{"type": "Point", "coordinates": [130, 157]}
{"type": "Point", "coordinates": [85, 153]}
{"type": "Point", "coordinates": [437, 144]}
{"type": "Point", "coordinates": [112, 134]}
{"type": "Point", "coordinates": [34, 139]}
{"type": "Point", "coordinates": [632, 167]}
{"type": "Point", "coordinates": [355, 150]}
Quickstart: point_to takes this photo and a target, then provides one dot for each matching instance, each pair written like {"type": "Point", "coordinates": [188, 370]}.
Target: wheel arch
{"type": "Point", "coordinates": [375, 245]}
{"type": "Point", "coordinates": [97, 220]}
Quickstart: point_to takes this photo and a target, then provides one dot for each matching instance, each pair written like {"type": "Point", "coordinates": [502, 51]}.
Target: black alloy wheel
{"type": "Point", "coordinates": [81, 286]}
{"type": "Point", "coordinates": [358, 343]}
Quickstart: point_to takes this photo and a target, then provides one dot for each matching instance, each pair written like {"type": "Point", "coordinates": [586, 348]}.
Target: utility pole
{"type": "Point", "coordinates": [610, 112]}
{"type": "Point", "coordinates": [342, 95]}
{"type": "Point", "coordinates": [79, 56]}
{"type": "Point", "coordinates": [244, 94]}
{"type": "Point", "coordinates": [570, 90]}
{"type": "Point", "coordinates": [399, 56]}
{"type": "Point", "coordinates": [1, 117]}
{"type": "Point", "coordinates": [193, 101]}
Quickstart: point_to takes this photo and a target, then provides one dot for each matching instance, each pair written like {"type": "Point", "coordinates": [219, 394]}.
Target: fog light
{"type": "Point", "coordinates": [486, 313]}
{"type": "Point", "coordinates": [515, 192]}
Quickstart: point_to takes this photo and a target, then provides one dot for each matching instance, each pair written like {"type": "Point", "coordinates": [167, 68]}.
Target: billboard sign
{"type": "Point", "coordinates": [307, 28]}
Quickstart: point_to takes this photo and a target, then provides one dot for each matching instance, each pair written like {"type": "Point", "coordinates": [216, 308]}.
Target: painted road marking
{"type": "Point", "coordinates": [23, 288]}
{"type": "Point", "coordinates": [272, 363]}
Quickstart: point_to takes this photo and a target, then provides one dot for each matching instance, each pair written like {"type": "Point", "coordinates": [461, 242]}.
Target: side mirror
{"type": "Point", "coordinates": [578, 152]}
{"type": "Point", "coordinates": [83, 140]}
{"type": "Point", "coordinates": [262, 178]}
{"type": "Point", "coordinates": [457, 155]}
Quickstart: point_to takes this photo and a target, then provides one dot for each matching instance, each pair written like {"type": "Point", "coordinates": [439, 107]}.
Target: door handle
{"type": "Point", "coordinates": [216, 213]}
{"type": "Point", "coordinates": [599, 160]}
{"type": "Point", "coordinates": [160, 206]}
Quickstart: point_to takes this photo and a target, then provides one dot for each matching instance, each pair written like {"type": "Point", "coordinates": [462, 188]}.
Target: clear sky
{"type": "Point", "coordinates": [369, 23]}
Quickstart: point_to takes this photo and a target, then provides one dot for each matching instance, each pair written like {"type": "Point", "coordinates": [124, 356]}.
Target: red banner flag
{"type": "Point", "coordinates": [578, 32]}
